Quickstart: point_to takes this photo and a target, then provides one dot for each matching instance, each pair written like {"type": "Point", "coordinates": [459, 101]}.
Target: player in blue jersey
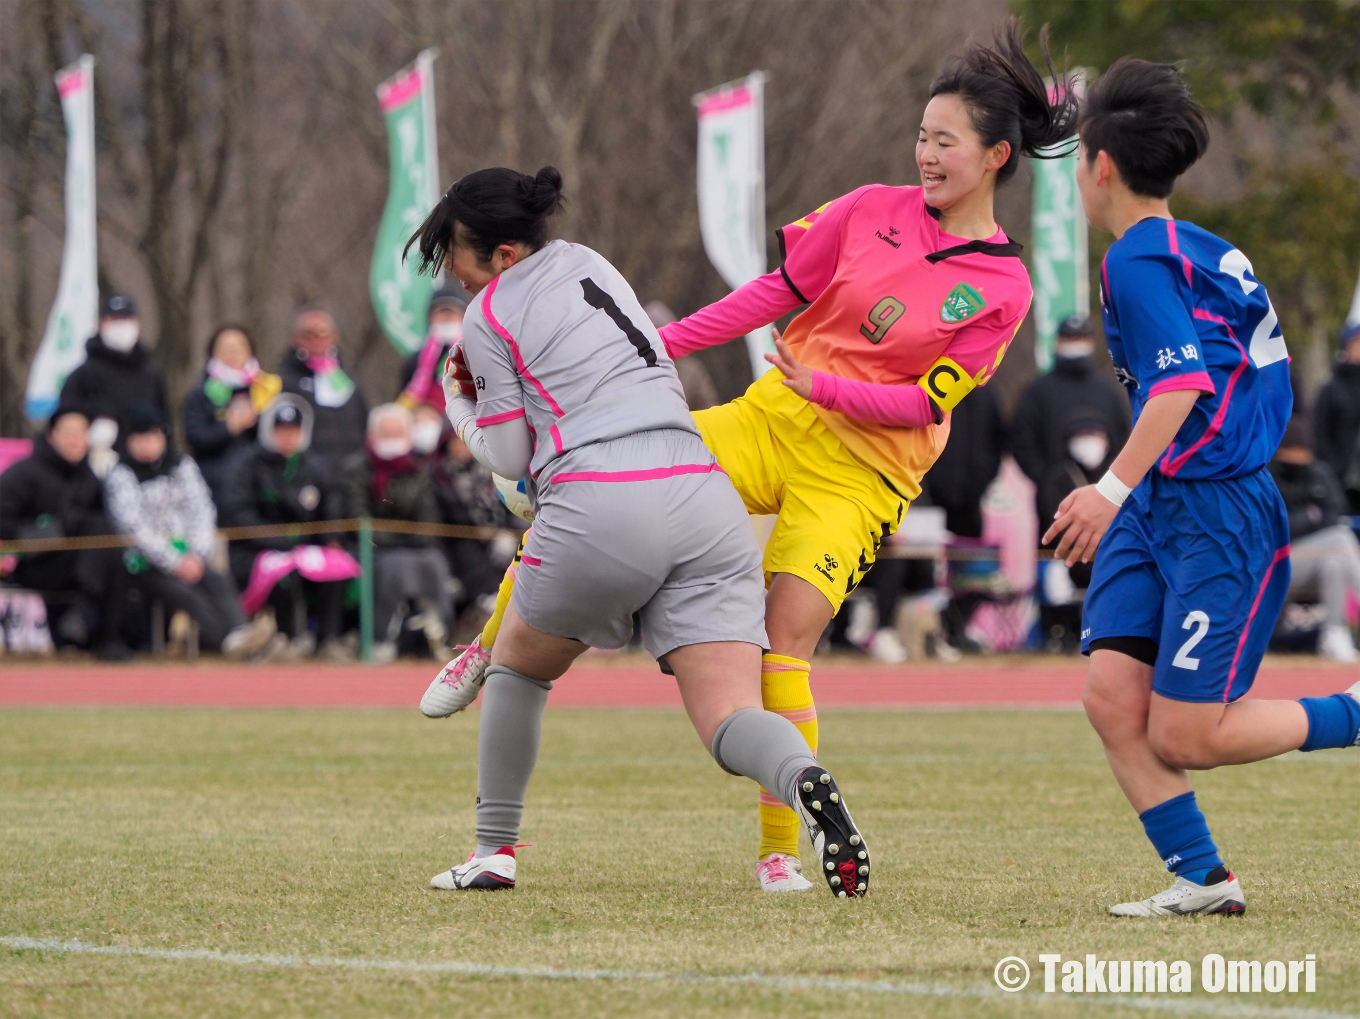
{"type": "Point", "coordinates": [1193, 538]}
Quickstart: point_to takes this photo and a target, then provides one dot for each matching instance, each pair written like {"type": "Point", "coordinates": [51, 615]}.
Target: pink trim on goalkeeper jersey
{"type": "Point", "coordinates": [520, 366]}
{"type": "Point", "coordinates": [652, 474]}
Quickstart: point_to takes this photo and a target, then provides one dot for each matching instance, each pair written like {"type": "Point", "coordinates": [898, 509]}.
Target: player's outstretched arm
{"type": "Point", "coordinates": [1086, 513]}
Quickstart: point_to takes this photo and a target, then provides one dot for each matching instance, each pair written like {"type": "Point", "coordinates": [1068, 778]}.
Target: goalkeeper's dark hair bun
{"type": "Point", "coordinates": [490, 207]}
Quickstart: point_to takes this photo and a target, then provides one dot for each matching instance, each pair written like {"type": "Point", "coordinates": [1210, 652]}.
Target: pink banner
{"type": "Point", "coordinates": [72, 82]}
{"type": "Point", "coordinates": [399, 91]}
{"type": "Point", "coordinates": [315, 562]}
{"type": "Point", "coordinates": [720, 101]}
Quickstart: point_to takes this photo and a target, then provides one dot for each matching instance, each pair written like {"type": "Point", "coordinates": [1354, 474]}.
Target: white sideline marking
{"type": "Point", "coordinates": [1199, 1007]}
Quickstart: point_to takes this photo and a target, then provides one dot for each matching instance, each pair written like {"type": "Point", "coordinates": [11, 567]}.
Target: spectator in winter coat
{"type": "Point", "coordinates": [1087, 454]}
{"type": "Point", "coordinates": [159, 498]}
{"type": "Point", "coordinates": [311, 369]}
{"type": "Point", "coordinates": [1325, 557]}
{"type": "Point", "coordinates": [1336, 417]}
{"type": "Point", "coordinates": [279, 481]}
{"type": "Point", "coordinates": [221, 411]}
{"type": "Point", "coordinates": [117, 375]}
{"type": "Point", "coordinates": [386, 482]}
{"type": "Point", "coordinates": [422, 373]}
{"type": "Point", "coordinates": [54, 494]}
{"type": "Point", "coordinates": [1073, 390]}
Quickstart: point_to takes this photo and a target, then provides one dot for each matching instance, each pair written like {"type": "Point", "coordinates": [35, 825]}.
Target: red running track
{"type": "Point", "coordinates": [602, 682]}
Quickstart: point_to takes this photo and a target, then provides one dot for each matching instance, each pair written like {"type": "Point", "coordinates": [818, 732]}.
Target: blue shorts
{"type": "Point", "coordinates": [1200, 569]}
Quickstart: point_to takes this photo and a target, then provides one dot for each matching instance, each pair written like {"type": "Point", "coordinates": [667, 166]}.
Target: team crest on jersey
{"type": "Point", "coordinates": [963, 302]}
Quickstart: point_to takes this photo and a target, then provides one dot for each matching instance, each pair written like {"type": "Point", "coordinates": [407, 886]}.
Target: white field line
{"type": "Point", "coordinates": [786, 983]}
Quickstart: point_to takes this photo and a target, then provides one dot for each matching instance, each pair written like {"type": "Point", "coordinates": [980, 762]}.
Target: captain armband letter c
{"type": "Point", "coordinates": [946, 383]}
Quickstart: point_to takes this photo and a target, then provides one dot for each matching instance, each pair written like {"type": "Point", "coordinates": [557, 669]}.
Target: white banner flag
{"type": "Point", "coordinates": [75, 313]}
{"type": "Point", "coordinates": [732, 190]}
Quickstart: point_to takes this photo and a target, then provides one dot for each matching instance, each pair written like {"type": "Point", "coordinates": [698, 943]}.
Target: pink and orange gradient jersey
{"type": "Point", "coordinates": [893, 300]}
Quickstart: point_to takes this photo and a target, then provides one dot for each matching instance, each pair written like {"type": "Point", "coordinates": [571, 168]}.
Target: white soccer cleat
{"type": "Point", "coordinates": [486, 873]}
{"type": "Point", "coordinates": [779, 872]}
{"type": "Point", "coordinates": [458, 683]}
{"type": "Point", "coordinates": [1185, 897]}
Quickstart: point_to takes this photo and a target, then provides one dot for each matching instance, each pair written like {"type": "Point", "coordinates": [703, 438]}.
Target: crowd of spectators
{"type": "Point", "coordinates": [266, 452]}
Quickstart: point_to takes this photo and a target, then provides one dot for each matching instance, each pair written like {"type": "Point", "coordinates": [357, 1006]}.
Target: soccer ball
{"type": "Point", "coordinates": [515, 497]}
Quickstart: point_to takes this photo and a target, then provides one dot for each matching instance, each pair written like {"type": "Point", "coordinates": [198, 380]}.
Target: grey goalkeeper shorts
{"type": "Point", "coordinates": [645, 524]}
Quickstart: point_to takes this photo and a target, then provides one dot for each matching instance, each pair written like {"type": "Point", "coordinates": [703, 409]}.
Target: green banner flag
{"type": "Point", "coordinates": [1059, 262]}
{"type": "Point", "coordinates": [401, 297]}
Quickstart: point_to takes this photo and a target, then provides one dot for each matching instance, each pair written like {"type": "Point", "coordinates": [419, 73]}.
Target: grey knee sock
{"type": "Point", "coordinates": [507, 749]}
{"type": "Point", "coordinates": [763, 746]}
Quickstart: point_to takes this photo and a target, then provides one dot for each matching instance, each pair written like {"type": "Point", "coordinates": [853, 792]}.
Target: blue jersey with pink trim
{"type": "Point", "coordinates": [560, 340]}
{"type": "Point", "coordinates": [1183, 309]}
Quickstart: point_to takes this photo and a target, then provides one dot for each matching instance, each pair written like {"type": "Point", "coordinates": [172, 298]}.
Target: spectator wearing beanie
{"type": "Point", "coordinates": [311, 369]}
{"type": "Point", "coordinates": [159, 498]}
{"type": "Point", "coordinates": [1052, 402]}
{"type": "Point", "coordinates": [1325, 556]}
{"type": "Point", "coordinates": [423, 372]}
{"type": "Point", "coordinates": [53, 494]}
{"type": "Point", "coordinates": [386, 481]}
{"type": "Point", "coordinates": [280, 481]}
{"type": "Point", "coordinates": [220, 413]}
{"type": "Point", "coordinates": [1336, 417]}
{"type": "Point", "coordinates": [117, 375]}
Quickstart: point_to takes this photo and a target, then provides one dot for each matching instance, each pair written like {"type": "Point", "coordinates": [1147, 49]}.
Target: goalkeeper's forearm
{"type": "Point", "coordinates": [505, 448]}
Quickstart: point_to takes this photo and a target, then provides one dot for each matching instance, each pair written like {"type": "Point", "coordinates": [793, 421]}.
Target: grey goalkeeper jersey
{"type": "Point", "coordinates": [561, 340]}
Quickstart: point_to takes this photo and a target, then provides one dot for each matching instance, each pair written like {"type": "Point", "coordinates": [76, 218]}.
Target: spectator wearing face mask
{"type": "Point", "coordinates": [386, 481]}
{"type": "Point", "coordinates": [1087, 454]}
{"type": "Point", "coordinates": [279, 481]}
{"type": "Point", "coordinates": [1072, 389]}
{"type": "Point", "coordinates": [159, 498]}
{"type": "Point", "coordinates": [423, 371]}
{"type": "Point", "coordinates": [220, 413]}
{"type": "Point", "coordinates": [1336, 417]}
{"type": "Point", "coordinates": [53, 494]}
{"type": "Point", "coordinates": [311, 369]}
{"type": "Point", "coordinates": [1325, 556]}
{"type": "Point", "coordinates": [118, 374]}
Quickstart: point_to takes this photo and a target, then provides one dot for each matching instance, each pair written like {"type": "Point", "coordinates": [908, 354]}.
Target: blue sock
{"type": "Point", "coordinates": [1332, 721]}
{"type": "Point", "coordinates": [1179, 833]}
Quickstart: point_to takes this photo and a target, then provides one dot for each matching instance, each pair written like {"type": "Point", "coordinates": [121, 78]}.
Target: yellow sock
{"type": "Point", "coordinates": [493, 625]}
{"type": "Point", "coordinates": [784, 689]}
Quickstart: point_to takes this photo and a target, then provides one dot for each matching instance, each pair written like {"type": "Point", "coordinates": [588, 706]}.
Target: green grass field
{"type": "Point", "coordinates": [314, 833]}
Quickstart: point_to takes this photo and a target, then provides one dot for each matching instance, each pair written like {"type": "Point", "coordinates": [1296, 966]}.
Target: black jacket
{"type": "Point", "coordinates": [267, 488]}
{"type": "Point", "coordinates": [1311, 494]}
{"type": "Point", "coordinates": [1336, 421]}
{"type": "Point", "coordinates": [110, 383]}
{"type": "Point", "coordinates": [44, 495]}
{"type": "Point", "coordinates": [971, 458]}
{"type": "Point", "coordinates": [338, 431]}
{"type": "Point", "coordinates": [1051, 403]}
{"type": "Point", "coordinates": [410, 496]}
{"type": "Point", "coordinates": [214, 448]}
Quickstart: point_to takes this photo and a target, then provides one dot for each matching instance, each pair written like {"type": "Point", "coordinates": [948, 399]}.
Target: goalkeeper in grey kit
{"type": "Point", "coordinates": [561, 377]}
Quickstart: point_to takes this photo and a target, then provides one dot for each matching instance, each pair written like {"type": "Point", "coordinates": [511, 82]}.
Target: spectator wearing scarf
{"type": "Point", "coordinates": [220, 414]}
{"type": "Point", "coordinates": [311, 369]}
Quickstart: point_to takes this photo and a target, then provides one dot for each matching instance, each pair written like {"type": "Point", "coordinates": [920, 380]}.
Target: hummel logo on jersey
{"type": "Point", "coordinates": [826, 570]}
{"type": "Point", "coordinates": [963, 302]}
{"type": "Point", "coordinates": [888, 237]}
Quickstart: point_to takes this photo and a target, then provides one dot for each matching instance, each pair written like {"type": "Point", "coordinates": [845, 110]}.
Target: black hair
{"type": "Point", "coordinates": [230, 327]}
{"type": "Point", "coordinates": [490, 208]}
{"type": "Point", "coordinates": [1007, 98]}
{"type": "Point", "coordinates": [1144, 116]}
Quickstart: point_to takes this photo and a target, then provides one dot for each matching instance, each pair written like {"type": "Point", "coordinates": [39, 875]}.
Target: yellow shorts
{"type": "Point", "coordinates": [834, 510]}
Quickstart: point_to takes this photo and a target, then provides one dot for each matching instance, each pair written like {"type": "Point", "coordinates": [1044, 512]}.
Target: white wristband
{"type": "Point", "coordinates": [1113, 489]}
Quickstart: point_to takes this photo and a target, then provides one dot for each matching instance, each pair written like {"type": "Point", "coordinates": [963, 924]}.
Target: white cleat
{"type": "Point", "coordinates": [779, 872]}
{"type": "Point", "coordinates": [458, 683]}
{"type": "Point", "coordinates": [1185, 897]}
{"type": "Point", "coordinates": [486, 873]}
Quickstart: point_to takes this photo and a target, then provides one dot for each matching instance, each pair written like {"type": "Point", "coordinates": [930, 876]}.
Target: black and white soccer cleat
{"type": "Point", "coordinates": [842, 856]}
